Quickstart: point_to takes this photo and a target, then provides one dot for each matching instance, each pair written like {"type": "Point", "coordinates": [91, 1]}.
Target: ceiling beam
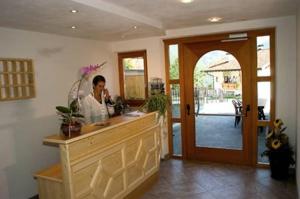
{"type": "Point", "coordinates": [121, 11]}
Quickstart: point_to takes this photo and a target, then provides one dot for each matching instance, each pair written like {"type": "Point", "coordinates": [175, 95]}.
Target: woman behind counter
{"type": "Point", "coordinates": [94, 105]}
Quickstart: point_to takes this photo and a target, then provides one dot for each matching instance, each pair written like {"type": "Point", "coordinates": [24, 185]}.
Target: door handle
{"type": "Point", "coordinates": [188, 108]}
{"type": "Point", "coordinates": [247, 109]}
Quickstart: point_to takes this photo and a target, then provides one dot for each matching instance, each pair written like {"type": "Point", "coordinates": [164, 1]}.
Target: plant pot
{"type": "Point", "coordinates": [74, 129]}
{"type": "Point", "coordinates": [279, 163]}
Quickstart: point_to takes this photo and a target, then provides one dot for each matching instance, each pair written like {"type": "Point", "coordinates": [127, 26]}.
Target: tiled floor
{"type": "Point", "coordinates": [197, 180]}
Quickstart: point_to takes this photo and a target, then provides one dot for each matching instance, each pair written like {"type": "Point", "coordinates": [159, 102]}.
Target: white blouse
{"type": "Point", "coordinates": [93, 110]}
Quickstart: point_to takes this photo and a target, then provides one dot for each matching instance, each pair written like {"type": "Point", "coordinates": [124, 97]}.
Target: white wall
{"type": "Point", "coordinates": [285, 58]}
{"type": "Point", "coordinates": [155, 53]}
{"type": "Point", "coordinates": [155, 64]}
{"type": "Point", "coordinates": [298, 100]}
{"type": "Point", "coordinates": [25, 123]}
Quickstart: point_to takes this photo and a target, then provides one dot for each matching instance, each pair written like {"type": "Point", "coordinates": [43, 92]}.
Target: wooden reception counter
{"type": "Point", "coordinates": [104, 162]}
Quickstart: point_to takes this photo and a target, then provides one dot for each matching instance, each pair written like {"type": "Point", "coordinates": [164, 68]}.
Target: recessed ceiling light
{"type": "Point", "coordinates": [73, 27]}
{"type": "Point", "coordinates": [74, 11]}
{"type": "Point", "coordinates": [135, 27]}
{"type": "Point", "coordinates": [214, 19]}
{"type": "Point", "coordinates": [186, 1]}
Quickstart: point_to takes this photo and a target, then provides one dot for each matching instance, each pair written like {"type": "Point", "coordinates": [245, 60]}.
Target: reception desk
{"type": "Point", "coordinates": [104, 162]}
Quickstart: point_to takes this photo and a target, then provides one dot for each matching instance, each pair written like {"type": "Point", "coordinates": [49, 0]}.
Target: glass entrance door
{"type": "Point", "coordinates": [218, 100]}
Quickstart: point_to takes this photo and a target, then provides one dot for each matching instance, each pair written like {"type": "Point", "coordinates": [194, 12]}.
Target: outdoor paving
{"type": "Point", "coordinates": [218, 132]}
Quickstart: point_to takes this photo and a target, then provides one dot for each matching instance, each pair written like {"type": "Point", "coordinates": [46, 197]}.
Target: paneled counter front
{"type": "Point", "coordinates": [103, 162]}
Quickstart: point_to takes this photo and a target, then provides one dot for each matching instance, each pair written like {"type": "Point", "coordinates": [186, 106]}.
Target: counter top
{"type": "Point", "coordinates": [92, 129]}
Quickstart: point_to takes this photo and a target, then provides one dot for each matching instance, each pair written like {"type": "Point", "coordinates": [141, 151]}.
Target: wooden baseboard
{"type": "Point", "coordinates": [143, 188]}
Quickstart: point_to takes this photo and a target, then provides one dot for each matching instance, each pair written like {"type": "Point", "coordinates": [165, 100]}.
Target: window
{"type": "Point", "coordinates": [174, 89]}
{"type": "Point", "coordinates": [265, 90]}
{"type": "Point", "coordinates": [133, 77]}
{"type": "Point", "coordinates": [16, 79]}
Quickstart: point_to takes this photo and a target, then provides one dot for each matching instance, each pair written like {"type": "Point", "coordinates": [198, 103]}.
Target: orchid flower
{"type": "Point", "coordinates": [87, 70]}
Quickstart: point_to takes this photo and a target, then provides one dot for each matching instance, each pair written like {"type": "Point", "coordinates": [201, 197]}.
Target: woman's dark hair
{"type": "Point", "coordinates": [97, 79]}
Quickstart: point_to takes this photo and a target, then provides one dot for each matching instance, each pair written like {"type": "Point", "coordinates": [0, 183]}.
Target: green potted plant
{"type": "Point", "coordinates": [279, 151]}
{"type": "Point", "coordinates": [71, 120]}
{"type": "Point", "coordinates": [158, 102]}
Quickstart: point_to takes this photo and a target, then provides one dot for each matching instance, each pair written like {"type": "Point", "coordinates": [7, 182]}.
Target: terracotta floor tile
{"type": "Point", "coordinates": [202, 180]}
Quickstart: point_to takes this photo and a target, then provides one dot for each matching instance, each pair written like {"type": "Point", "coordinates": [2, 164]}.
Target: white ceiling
{"type": "Point", "coordinates": [112, 20]}
{"type": "Point", "coordinates": [178, 15]}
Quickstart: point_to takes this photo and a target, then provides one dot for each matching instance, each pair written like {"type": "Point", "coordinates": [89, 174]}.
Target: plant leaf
{"type": "Point", "coordinates": [74, 105]}
{"type": "Point", "coordinates": [63, 109]}
{"type": "Point", "coordinates": [77, 115]}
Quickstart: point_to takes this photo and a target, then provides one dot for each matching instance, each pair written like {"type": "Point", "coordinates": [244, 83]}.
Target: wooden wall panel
{"type": "Point", "coordinates": [117, 169]}
{"type": "Point", "coordinates": [105, 139]}
{"type": "Point", "coordinates": [50, 189]}
{"type": "Point", "coordinates": [106, 165]}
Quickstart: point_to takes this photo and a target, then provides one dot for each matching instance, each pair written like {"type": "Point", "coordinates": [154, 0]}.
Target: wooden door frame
{"type": "Point", "coordinates": [192, 53]}
{"type": "Point", "coordinates": [212, 37]}
{"type": "Point", "coordinates": [132, 54]}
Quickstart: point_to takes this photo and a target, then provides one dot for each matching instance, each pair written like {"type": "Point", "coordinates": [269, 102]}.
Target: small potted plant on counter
{"type": "Point", "coordinates": [157, 102]}
{"type": "Point", "coordinates": [71, 120]}
{"type": "Point", "coordinates": [279, 151]}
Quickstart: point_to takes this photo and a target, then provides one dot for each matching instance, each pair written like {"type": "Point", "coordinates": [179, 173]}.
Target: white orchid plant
{"type": "Point", "coordinates": [70, 114]}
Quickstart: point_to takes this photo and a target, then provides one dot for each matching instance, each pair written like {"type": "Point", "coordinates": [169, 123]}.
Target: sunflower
{"type": "Point", "coordinates": [276, 144]}
{"type": "Point", "coordinates": [278, 123]}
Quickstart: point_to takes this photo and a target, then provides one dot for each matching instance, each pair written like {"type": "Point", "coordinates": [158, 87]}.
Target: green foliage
{"type": "Point", "coordinates": [74, 106]}
{"type": "Point", "coordinates": [158, 102]}
{"type": "Point", "coordinates": [63, 109]}
{"type": "Point", "coordinates": [174, 69]}
{"type": "Point", "coordinates": [128, 64]}
{"type": "Point", "coordinates": [68, 116]}
{"type": "Point", "coordinates": [201, 78]}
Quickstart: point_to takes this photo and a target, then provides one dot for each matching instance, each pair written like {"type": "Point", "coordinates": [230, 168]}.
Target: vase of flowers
{"type": "Point", "coordinates": [279, 151]}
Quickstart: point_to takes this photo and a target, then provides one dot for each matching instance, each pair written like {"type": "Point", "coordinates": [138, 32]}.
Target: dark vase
{"type": "Point", "coordinates": [280, 163]}
{"type": "Point", "coordinates": [74, 129]}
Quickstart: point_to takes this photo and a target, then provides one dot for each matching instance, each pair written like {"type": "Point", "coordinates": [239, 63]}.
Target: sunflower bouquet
{"type": "Point", "coordinates": [276, 138]}
{"type": "Point", "coordinates": [279, 151]}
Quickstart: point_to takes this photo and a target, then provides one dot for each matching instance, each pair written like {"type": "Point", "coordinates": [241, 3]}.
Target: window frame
{"type": "Point", "coordinates": [132, 54]}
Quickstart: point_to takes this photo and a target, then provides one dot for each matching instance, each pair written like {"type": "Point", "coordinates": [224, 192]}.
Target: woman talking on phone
{"type": "Point", "coordinates": [94, 105]}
